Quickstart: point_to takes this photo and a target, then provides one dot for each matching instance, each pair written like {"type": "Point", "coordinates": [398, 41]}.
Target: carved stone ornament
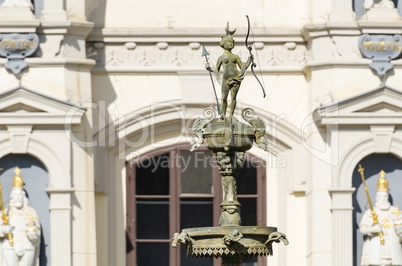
{"type": "Point", "coordinates": [178, 54]}
{"type": "Point", "coordinates": [382, 49]}
{"type": "Point", "coordinates": [15, 47]}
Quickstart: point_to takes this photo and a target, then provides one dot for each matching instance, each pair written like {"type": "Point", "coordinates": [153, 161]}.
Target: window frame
{"type": "Point", "coordinates": [175, 197]}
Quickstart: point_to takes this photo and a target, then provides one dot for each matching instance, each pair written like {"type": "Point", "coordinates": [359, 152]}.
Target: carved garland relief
{"type": "Point", "coordinates": [163, 54]}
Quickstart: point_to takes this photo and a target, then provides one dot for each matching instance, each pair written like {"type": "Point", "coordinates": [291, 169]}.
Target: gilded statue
{"type": "Point", "coordinates": [381, 226]}
{"type": "Point", "coordinates": [20, 229]}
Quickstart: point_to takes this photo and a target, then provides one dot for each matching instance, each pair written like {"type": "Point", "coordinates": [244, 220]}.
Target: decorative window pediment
{"type": "Point", "coordinates": [24, 106]}
{"type": "Point", "coordinates": [379, 106]}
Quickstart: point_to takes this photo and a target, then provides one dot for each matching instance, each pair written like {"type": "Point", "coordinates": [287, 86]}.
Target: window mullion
{"type": "Point", "coordinates": [261, 191]}
{"type": "Point", "coordinates": [131, 213]}
{"type": "Point", "coordinates": [174, 216]}
{"type": "Point", "coordinates": [261, 202]}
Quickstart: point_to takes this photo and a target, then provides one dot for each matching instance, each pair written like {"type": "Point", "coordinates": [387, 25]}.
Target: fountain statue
{"type": "Point", "coordinates": [229, 139]}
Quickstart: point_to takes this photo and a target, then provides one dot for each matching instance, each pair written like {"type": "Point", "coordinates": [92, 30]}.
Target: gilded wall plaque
{"type": "Point", "coordinates": [15, 47]}
{"type": "Point", "coordinates": [382, 49]}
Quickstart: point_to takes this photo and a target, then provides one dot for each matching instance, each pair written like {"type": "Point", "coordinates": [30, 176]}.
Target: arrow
{"type": "Point", "coordinates": [205, 54]}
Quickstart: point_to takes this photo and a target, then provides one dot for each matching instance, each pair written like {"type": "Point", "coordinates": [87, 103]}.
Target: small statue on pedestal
{"type": "Point", "coordinates": [233, 71]}
{"type": "Point", "coordinates": [229, 138]}
{"type": "Point", "coordinates": [368, 4]}
{"type": "Point", "coordinates": [382, 230]}
{"type": "Point", "coordinates": [19, 228]}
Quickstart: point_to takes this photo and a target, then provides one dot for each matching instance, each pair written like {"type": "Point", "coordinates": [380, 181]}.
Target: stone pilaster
{"type": "Point", "coordinates": [341, 10]}
{"type": "Point", "coordinates": [60, 224]}
{"type": "Point", "coordinates": [53, 10]}
{"type": "Point", "coordinates": [342, 228]}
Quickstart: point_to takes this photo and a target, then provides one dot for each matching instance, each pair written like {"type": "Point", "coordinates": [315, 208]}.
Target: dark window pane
{"type": "Point", "coordinates": [150, 254]}
{"type": "Point", "coordinates": [152, 176]}
{"type": "Point", "coordinates": [196, 172]}
{"type": "Point", "coordinates": [196, 213]}
{"type": "Point", "coordinates": [248, 212]}
{"type": "Point", "coordinates": [185, 261]}
{"type": "Point", "coordinates": [152, 219]}
{"type": "Point", "coordinates": [247, 179]}
{"type": "Point", "coordinates": [249, 261]}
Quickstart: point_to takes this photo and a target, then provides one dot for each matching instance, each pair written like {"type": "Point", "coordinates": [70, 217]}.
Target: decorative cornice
{"type": "Point", "coordinates": [350, 28]}
{"type": "Point", "coordinates": [161, 56]}
{"type": "Point", "coordinates": [22, 106]}
{"type": "Point", "coordinates": [189, 35]}
{"type": "Point", "coordinates": [361, 109]}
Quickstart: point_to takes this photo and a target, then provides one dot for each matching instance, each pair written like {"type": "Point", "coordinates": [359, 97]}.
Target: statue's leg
{"type": "Point", "coordinates": [225, 93]}
{"type": "Point", "coordinates": [28, 259]}
{"type": "Point", "coordinates": [10, 257]}
{"type": "Point", "coordinates": [233, 95]}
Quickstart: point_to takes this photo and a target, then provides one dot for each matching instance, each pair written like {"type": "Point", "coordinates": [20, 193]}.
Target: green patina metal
{"type": "Point", "coordinates": [229, 139]}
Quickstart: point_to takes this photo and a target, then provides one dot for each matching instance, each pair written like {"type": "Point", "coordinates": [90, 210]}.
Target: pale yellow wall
{"type": "Point", "coordinates": [202, 14]}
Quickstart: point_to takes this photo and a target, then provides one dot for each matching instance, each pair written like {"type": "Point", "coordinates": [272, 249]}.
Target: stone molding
{"type": "Point", "coordinates": [21, 106]}
{"type": "Point", "coordinates": [380, 106]}
{"type": "Point", "coordinates": [133, 50]}
{"type": "Point", "coordinates": [26, 113]}
{"type": "Point", "coordinates": [131, 55]}
{"type": "Point", "coordinates": [284, 135]}
{"type": "Point", "coordinates": [19, 137]}
{"type": "Point", "coordinates": [374, 115]}
{"type": "Point", "coordinates": [334, 44]}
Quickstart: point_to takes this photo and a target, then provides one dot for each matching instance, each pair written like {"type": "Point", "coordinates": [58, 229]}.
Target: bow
{"type": "Point", "coordinates": [253, 64]}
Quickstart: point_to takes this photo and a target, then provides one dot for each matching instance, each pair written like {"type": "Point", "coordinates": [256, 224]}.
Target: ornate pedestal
{"type": "Point", "coordinates": [229, 139]}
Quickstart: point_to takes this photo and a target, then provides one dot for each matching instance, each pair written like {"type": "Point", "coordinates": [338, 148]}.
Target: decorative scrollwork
{"type": "Point", "coordinates": [209, 113]}
{"type": "Point", "coordinates": [248, 114]}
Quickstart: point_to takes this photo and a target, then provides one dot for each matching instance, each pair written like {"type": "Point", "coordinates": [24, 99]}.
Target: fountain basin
{"type": "Point", "coordinates": [226, 241]}
{"type": "Point", "coordinates": [227, 135]}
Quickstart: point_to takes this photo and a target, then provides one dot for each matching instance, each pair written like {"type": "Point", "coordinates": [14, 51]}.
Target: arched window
{"type": "Point", "coordinates": [372, 165]}
{"type": "Point", "coordinates": [172, 189]}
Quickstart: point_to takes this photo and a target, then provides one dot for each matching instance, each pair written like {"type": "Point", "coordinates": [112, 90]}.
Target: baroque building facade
{"type": "Point", "coordinates": [100, 120]}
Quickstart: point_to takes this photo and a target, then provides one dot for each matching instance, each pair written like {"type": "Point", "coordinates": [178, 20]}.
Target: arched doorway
{"type": "Point", "coordinates": [372, 165]}
{"type": "Point", "coordinates": [36, 180]}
